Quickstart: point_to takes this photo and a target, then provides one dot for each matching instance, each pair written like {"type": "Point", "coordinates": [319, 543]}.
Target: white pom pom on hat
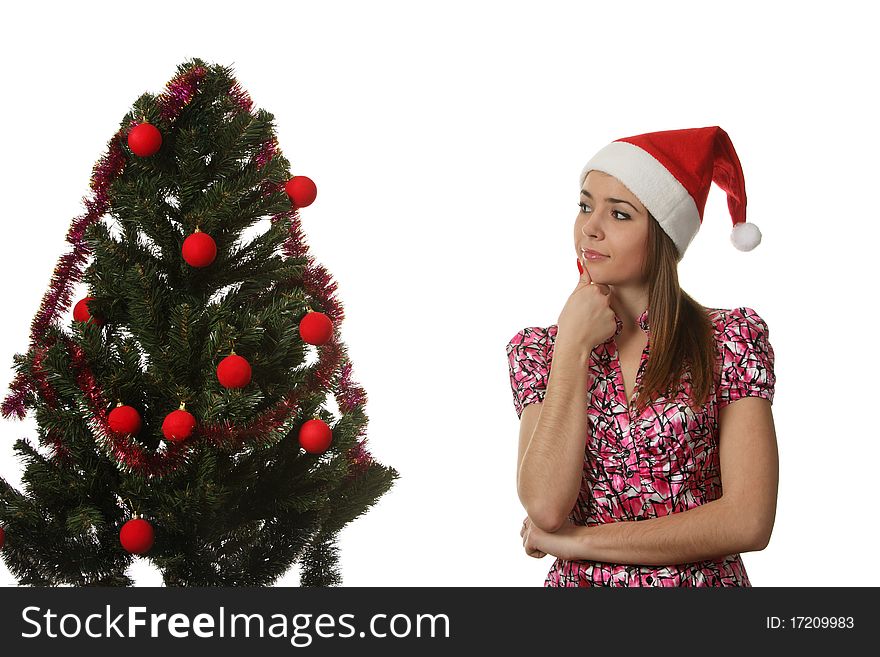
{"type": "Point", "coordinates": [745, 236]}
{"type": "Point", "coordinates": [671, 172]}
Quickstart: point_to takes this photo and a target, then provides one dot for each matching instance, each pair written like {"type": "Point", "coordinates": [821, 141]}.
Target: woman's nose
{"type": "Point", "coordinates": [589, 227]}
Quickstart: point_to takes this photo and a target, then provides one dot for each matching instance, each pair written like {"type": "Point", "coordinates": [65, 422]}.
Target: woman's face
{"type": "Point", "coordinates": [613, 222]}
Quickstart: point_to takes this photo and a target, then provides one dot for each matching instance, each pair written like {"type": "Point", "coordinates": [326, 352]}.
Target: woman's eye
{"type": "Point", "coordinates": [583, 207]}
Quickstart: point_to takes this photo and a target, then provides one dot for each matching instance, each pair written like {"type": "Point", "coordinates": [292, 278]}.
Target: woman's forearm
{"type": "Point", "coordinates": [552, 466]}
{"type": "Point", "coordinates": [709, 531]}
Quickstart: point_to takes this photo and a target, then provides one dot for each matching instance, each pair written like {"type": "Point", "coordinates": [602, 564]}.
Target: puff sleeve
{"type": "Point", "coordinates": [747, 358]}
{"type": "Point", "coordinates": [527, 355]}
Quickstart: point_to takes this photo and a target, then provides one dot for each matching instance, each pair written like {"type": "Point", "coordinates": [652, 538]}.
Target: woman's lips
{"type": "Point", "coordinates": [592, 255]}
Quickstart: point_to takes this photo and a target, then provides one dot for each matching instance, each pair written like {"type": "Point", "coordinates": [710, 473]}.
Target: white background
{"type": "Point", "coordinates": [446, 142]}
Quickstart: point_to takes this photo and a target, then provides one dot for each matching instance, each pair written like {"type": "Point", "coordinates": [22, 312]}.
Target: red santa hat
{"type": "Point", "coordinates": [671, 171]}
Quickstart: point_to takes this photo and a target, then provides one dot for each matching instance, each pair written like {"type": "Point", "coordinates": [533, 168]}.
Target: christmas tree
{"type": "Point", "coordinates": [186, 411]}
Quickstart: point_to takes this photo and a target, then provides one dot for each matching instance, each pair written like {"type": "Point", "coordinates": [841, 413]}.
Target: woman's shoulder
{"type": "Point", "coordinates": [530, 334]}
{"type": "Point", "coordinates": [738, 324]}
{"type": "Point", "coordinates": [533, 340]}
{"type": "Point", "coordinates": [724, 319]}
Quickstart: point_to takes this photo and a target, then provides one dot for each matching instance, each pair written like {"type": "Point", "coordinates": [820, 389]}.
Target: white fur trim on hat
{"type": "Point", "coordinates": [652, 183]}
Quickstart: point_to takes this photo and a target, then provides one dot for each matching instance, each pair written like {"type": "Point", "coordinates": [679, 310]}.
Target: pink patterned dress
{"type": "Point", "coordinates": [664, 460]}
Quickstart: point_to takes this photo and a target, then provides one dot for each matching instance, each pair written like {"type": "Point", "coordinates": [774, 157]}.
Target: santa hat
{"type": "Point", "coordinates": [671, 171]}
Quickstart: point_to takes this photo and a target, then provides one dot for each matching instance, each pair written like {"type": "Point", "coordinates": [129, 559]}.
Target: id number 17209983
{"type": "Point", "coordinates": [810, 623]}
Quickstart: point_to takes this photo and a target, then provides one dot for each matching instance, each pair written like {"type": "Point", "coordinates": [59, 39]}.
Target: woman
{"type": "Point", "coordinates": [677, 396]}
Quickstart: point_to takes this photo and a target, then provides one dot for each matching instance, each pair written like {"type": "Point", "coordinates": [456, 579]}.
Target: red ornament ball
{"type": "Point", "coordinates": [2, 536]}
{"type": "Point", "coordinates": [81, 312]}
{"type": "Point", "coordinates": [178, 425]}
{"type": "Point", "coordinates": [199, 249]}
{"type": "Point", "coordinates": [301, 191]}
{"type": "Point", "coordinates": [124, 420]}
{"type": "Point", "coordinates": [315, 436]}
{"type": "Point", "coordinates": [316, 328]}
{"type": "Point", "coordinates": [144, 140]}
{"type": "Point", "coordinates": [136, 536]}
{"type": "Point", "coordinates": [234, 372]}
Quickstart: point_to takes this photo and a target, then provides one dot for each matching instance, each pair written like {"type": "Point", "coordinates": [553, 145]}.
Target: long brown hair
{"type": "Point", "coordinates": [681, 331]}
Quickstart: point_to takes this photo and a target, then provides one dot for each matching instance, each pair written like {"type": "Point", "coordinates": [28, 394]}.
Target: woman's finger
{"type": "Point", "coordinates": [585, 276]}
{"type": "Point", "coordinates": [586, 279]}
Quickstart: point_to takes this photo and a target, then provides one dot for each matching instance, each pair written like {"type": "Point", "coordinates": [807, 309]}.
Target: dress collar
{"type": "Point", "coordinates": [642, 321]}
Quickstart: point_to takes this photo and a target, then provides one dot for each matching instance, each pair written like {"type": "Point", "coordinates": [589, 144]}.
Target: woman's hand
{"type": "Point", "coordinates": [530, 534]}
{"type": "Point", "coordinates": [587, 318]}
{"type": "Point", "coordinates": [562, 543]}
